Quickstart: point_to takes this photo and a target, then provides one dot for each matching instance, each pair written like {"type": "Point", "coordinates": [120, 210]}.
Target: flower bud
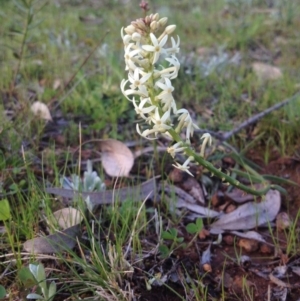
{"type": "Point", "coordinates": [130, 29]}
{"type": "Point", "coordinates": [155, 17]}
{"type": "Point", "coordinates": [126, 39]}
{"type": "Point", "coordinates": [169, 29]}
{"type": "Point", "coordinates": [136, 37]}
{"type": "Point", "coordinates": [163, 21]}
{"type": "Point", "coordinates": [148, 19]}
{"type": "Point", "coordinates": [154, 25]}
{"type": "Point", "coordinates": [141, 25]}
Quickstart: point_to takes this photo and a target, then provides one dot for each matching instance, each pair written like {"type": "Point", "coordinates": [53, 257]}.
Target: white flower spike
{"type": "Point", "coordinates": [149, 85]}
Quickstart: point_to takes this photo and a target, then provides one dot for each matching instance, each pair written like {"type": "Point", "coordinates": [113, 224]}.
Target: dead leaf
{"type": "Point", "coordinates": [278, 281]}
{"type": "Point", "coordinates": [55, 243]}
{"type": "Point", "coordinates": [250, 215]}
{"type": "Point", "coordinates": [136, 193]}
{"type": "Point", "coordinates": [41, 110]}
{"type": "Point", "coordinates": [117, 158]}
{"type": "Point", "coordinates": [66, 217]}
{"type": "Point", "coordinates": [249, 235]}
{"type": "Point", "coordinates": [266, 72]}
{"type": "Point", "coordinates": [184, 200]}
{"type": "Point", "coordinates": [296, 270]}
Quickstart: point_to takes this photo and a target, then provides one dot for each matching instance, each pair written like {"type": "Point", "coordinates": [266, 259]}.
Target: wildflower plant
{"type": "Point", "coordinates": [149, 46]}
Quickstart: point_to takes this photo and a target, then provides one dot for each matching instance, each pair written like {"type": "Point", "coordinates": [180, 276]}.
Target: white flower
{"type": "Point", "coordinates": [185, 120]}
{"type": "Point", "coordinates": [166, 96]}
{"type": "Point", "coordinates": [145, 133]}
{"type": "Point", "coordinates": [129, 56]}
{"type": "Point", "coordinates": [184, 166]}
{"type": "Point", "coordinates": [126, 38]}
{"type": "Point", "coordinates": [136, 81]}
{"type": "Point", "coordinates": [172, 150]}
{"type": "Point", "coordinates": [156, 47]}
{"type": "Point", "coordinates": [206, 140]}
{"type": "Point", "coordinates": [160, 122]}
{"type": "Point", "coordinates": [142, 93]}
{"type": "Point", "coordinates": [171, 72]}
{"type": "Point", "coordinates": [175, 46]}
{"type": "Point", "coordinates": [141, 109]}
{"type": "Point", "coordinates": [166, 87]}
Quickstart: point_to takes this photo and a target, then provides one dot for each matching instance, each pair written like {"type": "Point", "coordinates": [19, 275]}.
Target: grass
{"type": "Point", "coordinates": [44, 45]}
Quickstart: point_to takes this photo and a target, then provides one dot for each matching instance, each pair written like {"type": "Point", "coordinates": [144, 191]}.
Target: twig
{"type": "Point", "coordinates": [225, 136]}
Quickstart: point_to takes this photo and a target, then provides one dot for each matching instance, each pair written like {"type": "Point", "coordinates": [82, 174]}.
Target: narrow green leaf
{"type": "Point", "coordinates": [199, 223]}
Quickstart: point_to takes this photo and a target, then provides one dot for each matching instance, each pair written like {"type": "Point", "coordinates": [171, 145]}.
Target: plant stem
{"type": "Point", "coordinates": [25, 33]}
{"type": "Point", "coordinates": [218, 173]}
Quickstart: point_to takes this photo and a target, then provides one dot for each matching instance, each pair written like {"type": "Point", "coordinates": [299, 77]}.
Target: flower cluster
{"type": "Point", "coordinates": [147, 43]}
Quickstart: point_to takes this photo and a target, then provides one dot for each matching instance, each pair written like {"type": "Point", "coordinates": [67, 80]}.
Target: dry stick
{"type": "Point", "coordinates": [225, 136]}
{"type": "Point", "coordinates": [76, 72]}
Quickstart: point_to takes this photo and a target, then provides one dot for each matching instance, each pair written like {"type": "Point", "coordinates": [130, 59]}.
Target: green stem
{"type": "Point", "coordinates": [216, 172]}
{"type": "Point", "coordinates": [25, 33]}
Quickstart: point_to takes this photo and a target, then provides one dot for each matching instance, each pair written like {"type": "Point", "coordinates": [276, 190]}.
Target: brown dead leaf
{"type": "Point", "coordinates": [266, 72]}
{"type": "Point", "coordinates": [54, 243]}
{"type": "Point", "coordinates": [117, 158]}
{"type": "Point", "coordinates": [250, 215]}
{"type": "Point", "coordinates": [189, 184]}
{"type": "Point", "coordinates": [67, 219]}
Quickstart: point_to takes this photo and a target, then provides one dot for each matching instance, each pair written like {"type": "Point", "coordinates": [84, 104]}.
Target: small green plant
{"type": "Point", "coordinates": [91, 181]}
{"type": "Point", "coordinates": [39, 274]}
{"type": "Point", "coordinates": [2, 291]}
{"type": "Point", "coordinates": [195, 228]}
{"type": "Point", "coordinates": [172, 235]}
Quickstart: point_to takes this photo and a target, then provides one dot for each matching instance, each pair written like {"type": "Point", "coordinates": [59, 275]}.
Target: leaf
{"type": "Point", "coordinates": [199, 223]}
{"type": "Point", "coordinates": [52, 290]}
{"type": "Point", "coordinates": [171, 234]}
{"type": "Point", "coordinates": [26, 277]}
{"type": "Point", "coordinates": [135, 193]}
{"type": "Point", "coordinates": [41, 277]}
{"type": "Point", "coordinates": [2, 292]}
{"type": "Point", "coordinates": [117, 158]}
{"type": "Point", "coordinates": [184, 200]}
{"type": "Point", "coordinates": [249, 235]}
{"type": "Point", "coordinates": [191, 228]}
{"type": "Point", "coordinates": [54, 243]}
{"type": "Point", "coordinates": [34, 296]}
{"type": "Point", "coordinates": [266, 72]}
{"type": "Point", "coordinates": [250, 215]}
{"type": "Point", "coordinates": [164, 251]}
{"type": "Point", "coordinates": [4, 210]}
{"type": "Point", "coordinates": [41, 110]}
